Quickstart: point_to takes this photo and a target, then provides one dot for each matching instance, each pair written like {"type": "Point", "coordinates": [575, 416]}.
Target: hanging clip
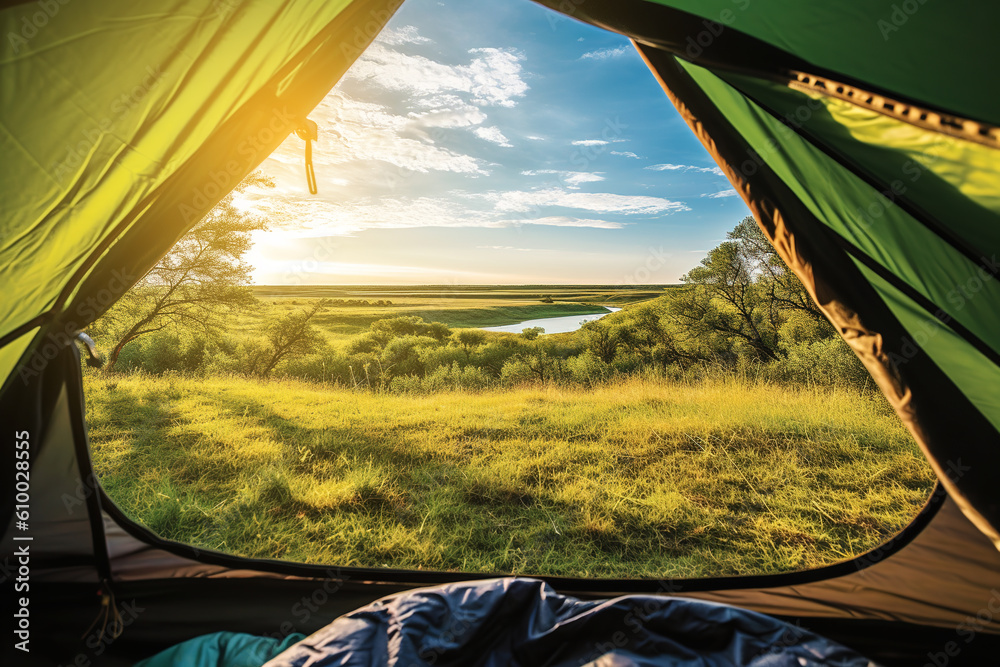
{"type": "Point", "coordinates": [309, 132]}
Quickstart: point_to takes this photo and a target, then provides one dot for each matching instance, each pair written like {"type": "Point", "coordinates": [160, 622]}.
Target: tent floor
{"type": "Point", "coordinates": [160, 613]}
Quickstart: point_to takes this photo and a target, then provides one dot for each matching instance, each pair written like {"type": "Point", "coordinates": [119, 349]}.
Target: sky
{"type": "Point", "coordinates": [492, 142]}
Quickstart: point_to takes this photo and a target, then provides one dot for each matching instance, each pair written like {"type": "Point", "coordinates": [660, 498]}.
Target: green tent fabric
{"type": "Point", "coordinates": [124, 123]}
{"type": "Point", "coordinates": [862, 135]}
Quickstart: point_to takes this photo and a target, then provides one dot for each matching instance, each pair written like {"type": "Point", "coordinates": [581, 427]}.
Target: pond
{"type": "Point", "coordinates": [552, 325]}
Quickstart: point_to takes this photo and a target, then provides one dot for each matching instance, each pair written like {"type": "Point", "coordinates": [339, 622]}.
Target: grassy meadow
{"type": "Point", "coordinates": [617, 474]}
{"type": "Point", "coordinates": [458, 306]}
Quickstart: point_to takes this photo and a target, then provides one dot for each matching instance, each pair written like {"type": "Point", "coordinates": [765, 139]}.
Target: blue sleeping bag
{"type": "Point", "coordinates": [221, 649]}
{"type": "Point", "coordinates": [524, 622]}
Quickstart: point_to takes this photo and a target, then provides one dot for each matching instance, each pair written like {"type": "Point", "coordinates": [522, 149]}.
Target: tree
{"type": "Point", "coordinates": [531, 333]}
{"type": "Point", "coordinates": [601, 339]}
{"type": "Point", "coordinates": [470, 339]}
{"type": "Point", "coordinates": [403, 325]}
{"type": "Point", "coordinates": [202, 278]}
{"type": "Point", "coordinates": [291, 335]}
{"type": "Point", "coordinates": [439, 331]}
{"type": "Point", "coordinates": [724, 298]}
{"type": "Point", "coordinates": [741, 296]}
{"type": "Point", "coordinates": [785, 292]}
{"type": "Point", "coordinates": [650, 331]}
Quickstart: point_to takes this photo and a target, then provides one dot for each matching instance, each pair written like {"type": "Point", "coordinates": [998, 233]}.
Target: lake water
{"type": "Point", "coordinates": [553, 325]}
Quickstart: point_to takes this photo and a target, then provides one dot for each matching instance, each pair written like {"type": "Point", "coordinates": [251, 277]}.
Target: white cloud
{"type": "Point", "coordinates": [563, 221]}
{"type": "Point", "coordinates": [590, 142]}
{"type": "Point", "coordinates": [571, 178]}
{"type": "Point", "coordinates": [686, 167]}
{"type": "Point", "coordinates": [351, 130]}
{"type": "Point", "coordinates": [463, 115]}
{"type": "Point", "coordinates": [626, 154]}
{"type": "Point", "coordinates": [406, 34]}
{"type": "Point", "coordinates": [723, 193]}
{"type": "Point", "coordinates": [493, 134]}
{"type": "Point", "coordinates": [492, 76]}
{"type": "Point", "coordinates": [510, 247]}
{"type": "Point", "coordinates": [535, 138]}
{"type": "Point", "coordinates": [606, 54]}
{"type": "Point", "coordinates": [600, 202]}
{"type": "Point", "coordinates": [308, 217]}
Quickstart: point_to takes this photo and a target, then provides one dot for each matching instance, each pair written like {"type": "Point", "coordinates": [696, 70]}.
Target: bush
{"type": "Point", "coordinates": [443, 378]}
{"type": "Point", "coordinates": [162, 352]}
{"type": "Point", "coordinates": [587, 369]}
{"type": "Point", "coordinates": [402, 355]}
{"type": "Point", "coordinates": [826, 362]}
{"type": "Point", "coordinates": [516, 372]}
{"type": "Point", "coordinates": [194, 354]}
{"type": "Point", "coordinates": [407, 384]}
{"type": "Point", "coordinates": [457, 377]}
{"type": "Point", "coordinates": [404, 325]}
{"type": "Point", "coordinates": [367, 342]}
{"type": "Point", "coordinates": [326, 366]}
{"type": "Point", "coordinates": [434, 357]}
{"type": "Point", "coordinates": [492, 356]}
{"type": "Point", "coordinates": [627, 362]}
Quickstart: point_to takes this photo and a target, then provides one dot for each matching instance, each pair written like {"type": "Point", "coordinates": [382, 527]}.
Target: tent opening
{"type": "Point", "coordinates": [526, 327]}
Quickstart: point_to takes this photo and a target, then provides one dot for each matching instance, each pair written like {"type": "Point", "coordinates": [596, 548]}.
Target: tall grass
{"type": "Point", "coordinates": [634, 477]}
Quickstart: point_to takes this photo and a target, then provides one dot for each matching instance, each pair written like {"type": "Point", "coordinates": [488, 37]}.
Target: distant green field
{"type": "Point", "coordinates": [637, 478]}
{"type": "Point", "coordinates": [602, 294]}
{"type": "Point", "coordinates": [462, 306]}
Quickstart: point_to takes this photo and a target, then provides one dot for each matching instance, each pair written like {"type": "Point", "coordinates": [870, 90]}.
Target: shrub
{"type": "Point", "coordinates": [367, 342]}
{"type": "Point", "coordinates": [162, 352]}
{"type": "Point", "coordinates": [826, 362]}
{"type": "Point", "coordinates": [325, 366]}
{"type": "Point", "coordinates": [403, 325]}
{"type": "Point", "coordinates": [516, 372]}
{"type": "Point", "coordinates": [587, 369]}
{"type": "Point", "coordinates": [402, 355]}
{"type": "Point", "coordinates": [444, 355]}
{"type": "Point", "coordinates": [407, 384]}
{"type": "Point", "coordinates": [194, 354]}
{"type": "Point", "coordinates": [492, 356]}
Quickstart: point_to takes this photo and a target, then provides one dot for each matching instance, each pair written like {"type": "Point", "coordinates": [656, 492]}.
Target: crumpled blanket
{"type": "Point", "coordinates": [520, 621]}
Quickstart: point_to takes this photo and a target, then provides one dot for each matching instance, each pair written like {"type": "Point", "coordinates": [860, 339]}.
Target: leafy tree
{"type": "Point", "coordinates": [601, 339]}
{"type": "Point", "coordinates": [197, 284]}
{"type": "Point", "coordinates": [402, 355]}
{"type": "Point", "coordinates": [742, 296]}
{"type": "Point", "coordinates": [289, 336]}
{"type": "Point", "coordinates": [439, 331]}
{"type": "Point", "coordinates": [649, 331]}
{"type": "Point", "coordinates": [403, 325]}
{"type": "Point", "coordinates": [785, 292]}
{"type": "Point", "coordinates": [366, 343]}
{"type": "Point", "coordinates": [470, 339]}
{"type": "Point", "coordinates": [531, 333]}
{"type": "Point", "coordinates": [724, 298]}
{"type": "Point", "coordinates": [546, 358]}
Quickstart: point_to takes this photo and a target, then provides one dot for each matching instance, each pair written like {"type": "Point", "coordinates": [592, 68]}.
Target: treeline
{"type": "Point", "coordinates": [740, 311]}
{"type": "Point", "coordinates": [348, 302]}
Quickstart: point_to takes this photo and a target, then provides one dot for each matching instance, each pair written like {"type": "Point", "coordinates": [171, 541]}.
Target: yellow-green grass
{"type": "Point", "coordinates": [637, 478]}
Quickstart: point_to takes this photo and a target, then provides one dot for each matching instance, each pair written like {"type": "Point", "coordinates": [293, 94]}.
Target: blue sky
{"type": "Point", "coordinates": [493, 142]}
